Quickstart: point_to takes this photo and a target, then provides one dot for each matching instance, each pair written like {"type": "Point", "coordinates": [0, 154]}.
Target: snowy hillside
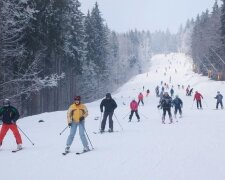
{"type": "Point", "coordinates": [191, 149]}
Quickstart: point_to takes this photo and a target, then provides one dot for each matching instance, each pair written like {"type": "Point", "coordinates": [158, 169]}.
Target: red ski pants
{"type": "Point", "coordinates": [14, 129]}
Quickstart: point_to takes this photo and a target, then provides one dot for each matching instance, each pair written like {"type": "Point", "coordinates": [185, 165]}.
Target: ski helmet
{"type": "Point", "coordinates": [6, 102]}
{"type": "Point", "coordinates": [218, 92]}
{"type": "Point", "coordinates": [108, 95]}
{"type": "Point", "coordinates": [176, 96]}
{"type": "Point", "coordinates": [166, 93]}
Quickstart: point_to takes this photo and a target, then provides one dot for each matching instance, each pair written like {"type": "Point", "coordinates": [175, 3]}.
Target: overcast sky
{"type": "Point", "coordinates": [123, 15]}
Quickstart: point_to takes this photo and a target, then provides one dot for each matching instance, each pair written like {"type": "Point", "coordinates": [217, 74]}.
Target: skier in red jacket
{"type": "Point", "coordinates": [134, 109]}
{"type": "Point", "coordinates": [140, 99]}
{"type": "Point", "coordinates": [198, 97]}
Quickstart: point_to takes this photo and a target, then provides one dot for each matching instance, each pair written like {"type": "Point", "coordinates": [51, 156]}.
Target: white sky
{"type": "Point", "coordinates": [122, 15]}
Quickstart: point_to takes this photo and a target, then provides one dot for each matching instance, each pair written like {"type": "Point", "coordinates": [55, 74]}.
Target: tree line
{"type": "Point", "coordinates": [204, 39]}
{"type": "Point", "coordinates": [50, 51]}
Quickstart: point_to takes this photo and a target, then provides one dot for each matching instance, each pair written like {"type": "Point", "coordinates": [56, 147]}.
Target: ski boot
{"type": "Point", "coordinates": [67, 149]}
{"type": "Point", "coordinates": [110, 130]}
{"type": "Point", "coordinates": [171, 120]}
{"type": "Point", "coordinates": [86, 149]}
{"type": "Point", "coordinates": [19, 146]}
{"type": "Point", "coordinates": [163, 120]}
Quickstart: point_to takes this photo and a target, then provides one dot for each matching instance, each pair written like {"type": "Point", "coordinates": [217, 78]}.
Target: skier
{"type": "Point", "coordinates": [9, 117]}
{"type": "Point", "coordinates": [190, 92]}
{"type": "Point", "coordinates": [178, 104]}
{"type": "Point", "coordinates": [166, 104]}
{"type": "Point", "coordinates": [109, 105]}
{"type": "Point", "coordinates": [187, 91]}
{"type": "Point", "coordinates": [134, 109]}
{"type": "Point", "coordinates": [157, 91]}
{"type": "Point", "coordinates": [219, 98]}
{"type": "Point", "coordinates": [147, 92]}
{"type": "Point", "coordinates": [171, 92]}
{"type": "Point", "coordinates": [198, 98]}
{"type": "Point", "coordinates": [140, 98]}
{"type": "Point", "coordinates": [76, 115]}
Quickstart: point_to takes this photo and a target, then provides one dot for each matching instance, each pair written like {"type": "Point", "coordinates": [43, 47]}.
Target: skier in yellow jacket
{"type": "Point", "coordinates": [76, 115]}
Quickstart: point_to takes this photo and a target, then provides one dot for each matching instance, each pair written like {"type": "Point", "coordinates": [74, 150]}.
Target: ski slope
{"type": "Point", "coordinates": [191, 149]}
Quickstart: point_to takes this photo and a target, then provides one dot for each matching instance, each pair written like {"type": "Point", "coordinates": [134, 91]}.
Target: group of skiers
{"type": "Point", "coordinates": [77, 113]}
{"type": "Point", "coordinates": [166, 103]}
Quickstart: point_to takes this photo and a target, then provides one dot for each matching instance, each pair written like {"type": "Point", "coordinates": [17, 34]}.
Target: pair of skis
{"type": "Point", "coordinates": [77, 153]}
{"type": "Point", "coordinates": [16, 150]}
{"type": "Point", "coordinates": [104, 132]}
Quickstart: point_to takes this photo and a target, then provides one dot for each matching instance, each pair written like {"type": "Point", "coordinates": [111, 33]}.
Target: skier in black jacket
{"type": "Point", "coordinates": [10, 115]}
{"type": "Point", "coordinates": [178, 104]}
{"type": "Point", "coordinates": [166, 104]}
{"type": "Point", "coordinates": [109, 105]}
{"type": "Point", "coordinates": [219, 98]}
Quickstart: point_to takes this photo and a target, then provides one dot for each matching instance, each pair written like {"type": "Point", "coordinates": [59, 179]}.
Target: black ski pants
{"type": "Point", "coordinates": [199, 104]}
{"type": "Point", "coordinates": [105, 115]}
{"type": "Point", "coordinates": [217, 104]}
{"type": "Point", "coordinates": [167, 109]}
{"type": "Point", "coordinates": [140, 100]}
{"type": "Point", "coordinates": [177, 109]}
{"type": "Point", "coordinates": [136, 113]}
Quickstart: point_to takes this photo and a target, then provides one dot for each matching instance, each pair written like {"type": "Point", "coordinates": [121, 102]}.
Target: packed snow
{"type": "Point", "coordinates": [190, 149]}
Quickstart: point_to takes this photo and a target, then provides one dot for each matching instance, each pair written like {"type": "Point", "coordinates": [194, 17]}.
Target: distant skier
{"type": "Point", "coordinates": [170, 79]}
{"type": "Point", "coordinates": [198, 97]}
{"type": "Point", "coordinates": [187, 91]}
{"type": "Point", "coordinates": [178, 104]}
{"type": "Point", "coordinates": [143, 88]}
{"type": "Point", "coordinates": [157, 91]}
{"type": "Point", "coordinates": [140, 98]}
{"type": "Point", "coordinates": [147, 92]}
{"type": "Point", "coordinates": [134, 109]}
{"type": "Point", "coordinates": [190, 92]}
{"type": "Point", "coordinates": [171, 92]}
{"type": "Point", "coordinates": [219, 98]}
{"type": "Point", "coordinates": [110, 105]}
{"type": "Point", "coordinates": [166, 104]}
{"type": "Point", "coordinates": [178, 86]}
{"type": "Point", "coordinates": [76, 115]}
{"type": "Point", "coordinates": [9, 116]}
{"type": "Point", "coordinates": [161, 95]}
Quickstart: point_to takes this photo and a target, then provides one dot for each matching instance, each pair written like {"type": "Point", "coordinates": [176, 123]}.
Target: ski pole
{"type": "Point", "coordinates": [87, 136]}
{"type": "Point", "coordinates": [192, 105]}
{"type": "Point", "coordinates": [100, 122]}
{"type": "Point", "coordinates": [126, 115]}
{"type": "Point", "coordinates": [205, 103]}
{"type": "Point", "coordinates": [144, 116]}
{"type": "Point", "coordinates": [159, 112]}
{"type": "Point", "coordinates": [63, 130]}
{"type": "Point", "coordinates": [25, 135]}
{"type": "Point", "coordinates": [118, 122]}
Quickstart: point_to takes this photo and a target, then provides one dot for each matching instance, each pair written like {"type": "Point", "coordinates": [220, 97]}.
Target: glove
{"type": "Point", "coordinates": [70, 124]}
{"type": "Point", "coordinates": [158, 106]}
{"type": "Point", "coordinates": [81, 118]}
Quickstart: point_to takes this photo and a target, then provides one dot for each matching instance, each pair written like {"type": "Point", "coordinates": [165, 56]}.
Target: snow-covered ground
{"type": "Point", "coordinates": [191, 149]}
